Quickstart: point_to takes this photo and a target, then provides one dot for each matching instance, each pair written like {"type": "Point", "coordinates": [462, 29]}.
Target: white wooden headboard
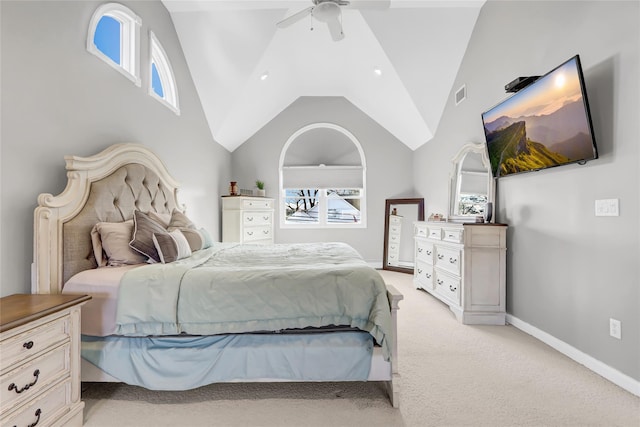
{"type": "Point", "coordinates": [107, 186]}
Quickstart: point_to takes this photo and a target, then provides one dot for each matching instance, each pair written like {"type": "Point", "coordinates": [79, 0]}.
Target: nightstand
{"type": "Point", "coordinates": [40, 360]}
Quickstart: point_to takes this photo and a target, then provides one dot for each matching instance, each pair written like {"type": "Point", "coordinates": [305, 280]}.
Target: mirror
{"type": "Point", "coordinates": [400, 214]}
{"type": "Point", "coordinates": [472, 186]}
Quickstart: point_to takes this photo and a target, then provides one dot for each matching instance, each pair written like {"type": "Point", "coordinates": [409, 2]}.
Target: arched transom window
{"type": "Point", "coordinates": [114, 33]}
{"type": "Point", "coordinates": [322, 179]}
{"type": "Point", "coordinates": [162, 83]}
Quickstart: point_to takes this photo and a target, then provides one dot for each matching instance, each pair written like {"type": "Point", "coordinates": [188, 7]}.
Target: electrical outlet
{"type": "Point", "coordinates": [607, 207]}
{"type": "Point", "coordinates": [615, 328]}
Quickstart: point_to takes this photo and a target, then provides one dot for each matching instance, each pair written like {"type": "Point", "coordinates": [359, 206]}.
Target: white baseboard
{"type": "Point", "coordinates": [600, 368]}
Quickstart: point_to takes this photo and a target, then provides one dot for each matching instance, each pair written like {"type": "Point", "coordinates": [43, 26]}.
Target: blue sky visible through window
{"type": "Point", "coordinates": [156, 83]}
{"type": "Point", "coordinates": [107, 37]}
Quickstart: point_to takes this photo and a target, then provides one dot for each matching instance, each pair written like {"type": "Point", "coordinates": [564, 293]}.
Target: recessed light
{"type": "Point", "coordinates": [264, 76]}
{"type": "Point", "coordinates": [377, 71]}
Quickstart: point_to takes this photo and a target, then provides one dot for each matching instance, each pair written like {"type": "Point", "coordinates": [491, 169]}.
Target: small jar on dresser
{"type": "Point", "coordinates": [247, 219]}
{"type": "Point", "coordinates": [464, 266]}
{"type": "Point", "coordinates": [40, 360]}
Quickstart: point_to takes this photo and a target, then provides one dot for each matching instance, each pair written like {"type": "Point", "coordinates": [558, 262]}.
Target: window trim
{"type": "Point", "coordinates": [129, 39]}
{"type": "Point", "coordinates": [165, 72]}
{"type": "Point", "coordinates": [322, 196]}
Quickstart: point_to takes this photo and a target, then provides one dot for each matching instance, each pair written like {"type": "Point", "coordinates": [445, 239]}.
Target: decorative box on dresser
{"type": "Point", "coordinates": [247, 219]}
{"type": "Point", "coordinates": [40, 360]}
{"type": "Point", "coordinates": [463, 265]}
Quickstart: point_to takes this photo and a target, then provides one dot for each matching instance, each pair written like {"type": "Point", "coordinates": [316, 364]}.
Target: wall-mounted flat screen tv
{"type": "Point", "coordinates": [543, 125]}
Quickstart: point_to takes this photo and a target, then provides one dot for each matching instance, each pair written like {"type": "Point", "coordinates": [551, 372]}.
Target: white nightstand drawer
{"type": "Point", "coordinates": [257, 233]}
{"type": "Point", "coordinates": [44, 409]}
{"type": "Point", "coordinates": [257, 204]}
{"type": "Point", "coordinates": [29, 343]}
{"type": "Point", "coordinates": [448, 259]}
{"type": "Point", "coordinates": [448, 287]}
{"type": "Point", "coordinates": [420, 230]}
{"type": "Point", "coordinates": [23, 383]}
{"type": "Point", "coordinates": [256, 218]}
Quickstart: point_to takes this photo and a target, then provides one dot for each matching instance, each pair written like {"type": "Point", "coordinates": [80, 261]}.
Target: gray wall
{"type": "Point", "coordinates": [387, 173]}
{"type": "Point", "coordinates": [568, 271]}
{"type": "Point", "coordinates": [59, 99]}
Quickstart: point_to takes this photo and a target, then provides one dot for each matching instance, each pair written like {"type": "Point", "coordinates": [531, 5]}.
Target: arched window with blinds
{"type": "Point", "coordinates": [322, 179]}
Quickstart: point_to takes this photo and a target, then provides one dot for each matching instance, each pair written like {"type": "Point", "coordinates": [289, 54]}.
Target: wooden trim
{"type": "Point", "coordinates": [20, 309]}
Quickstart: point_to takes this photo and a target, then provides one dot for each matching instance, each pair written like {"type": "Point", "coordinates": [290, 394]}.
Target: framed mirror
{"type": "Point", "coordinates": [400, 214]}
{"type": "Point", "coordinates": [472, 187]}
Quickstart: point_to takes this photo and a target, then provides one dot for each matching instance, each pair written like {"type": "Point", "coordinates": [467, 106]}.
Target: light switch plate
{"type": "Point", "coordinates": [607, 207]}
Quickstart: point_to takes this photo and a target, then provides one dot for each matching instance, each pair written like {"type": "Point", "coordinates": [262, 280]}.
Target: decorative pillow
{"type": "Point", "coordinates": [171, 246]}
{"type": "Point", "coordinates": [161, 218]}
{"type": "Point", "coordinates": [207, 241]}
{"type": "Point", "coordinates": [142, 240]}
{"type": "Point", "coordinates": [180, 220]}
{"type": "Point", "coordinates": [110, 242]}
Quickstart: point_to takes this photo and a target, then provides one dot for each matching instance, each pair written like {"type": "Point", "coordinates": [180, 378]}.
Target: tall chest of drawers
{"type": "Point", "coordinates": [247, 219]}
{"type": "Point", "coordinates": [463, 265]}
{"type": "Point", "coordinates": [40, 360]}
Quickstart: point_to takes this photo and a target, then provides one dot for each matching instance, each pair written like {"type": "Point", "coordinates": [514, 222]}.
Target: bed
{"type": "Point", "coordinates": [189, 311]}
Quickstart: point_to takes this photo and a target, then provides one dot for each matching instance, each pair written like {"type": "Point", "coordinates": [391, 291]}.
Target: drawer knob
{"type": "Point", "coordinates": [453, 260]}
{"type": "Point", "coordinates": [37, 414]}
{"type": "Point", "coordinates": [440, 256]}
{"type": "Point", "coordinates": [250, 233]}
{"type": "Point", "coordinates": [419, 271]}
{"type": "Point", "coordinates": [249, 218]}
{"type": "Point", "coordinates": [451, 235]}
{"type": "Point", "coordinates": [28, 345]}
{"type": "Point", "coordinates": [428, 275]}
{"type": "Point", "coordinates": [440, 282]}
{"type": "Point", "coordinates": [420, 250]}
{"type": "Point", "coordinates": [265, 231]}
{"type": "Point", "coordinates": [266, 218]}
{"type": "Point", "coordinates": [428, 252]}
{"type": "Point", "coordinates": [13, 386]}
{"type": "Point", "coordinates": [452, 288]}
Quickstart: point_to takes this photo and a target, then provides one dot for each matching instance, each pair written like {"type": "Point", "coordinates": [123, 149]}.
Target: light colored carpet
{"type": "Point", "coordinates": [452, 375]}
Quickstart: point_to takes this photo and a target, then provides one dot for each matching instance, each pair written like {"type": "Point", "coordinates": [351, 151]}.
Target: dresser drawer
{"type": "Point", "coordinates": [420, 230]}
{"type": "Point", "coordinates": [424, 251]}
{"type": "Point", "coordinates": [23, 346]}
{"type": "Point", "coordinates": [448, 259]}
{"type": "Point", "coordinates": [448, 287]}
{"type": "Point", "coordinates": [452, 235]}
{"type": "Point", "coordinates": [435, 232]}
{"type": "Point", "coordinates": [45, 409]}
{"type": "Point", "coordinates": [257, 204]}
{"type": "Point", "coordinates": [395, 228]}
{"type": "Point", "coordinates": [257, 233]}
{"type": "Point", "coordinates": [21, 384]}
{"type": "Point", "coordinates": [393, 248]}
{"type": "Point", "coordinates": [256, 218]}
{"type": "Point", "coordinates": [424, 274]}
{"type": "Point", "coordinates": [394, 238]}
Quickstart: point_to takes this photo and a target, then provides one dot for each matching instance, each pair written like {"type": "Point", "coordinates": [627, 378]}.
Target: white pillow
{"type": "Point", "coordinates": [171, 246]}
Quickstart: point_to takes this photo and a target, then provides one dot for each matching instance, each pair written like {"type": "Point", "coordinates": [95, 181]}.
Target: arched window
{"type": "Point", "coordinates": [114, 37]}
{"type": "Point", "coordinates": [162, 83]}
{"type": "Point", "coordinates": [322, 179]}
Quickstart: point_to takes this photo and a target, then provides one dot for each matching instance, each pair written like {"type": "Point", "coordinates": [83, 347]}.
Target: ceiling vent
{"type": "Point", "coordinates": [461, 94]}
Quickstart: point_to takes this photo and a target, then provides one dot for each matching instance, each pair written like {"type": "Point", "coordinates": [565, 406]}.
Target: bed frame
{"type": "Point", "coordinates": [109, 186]}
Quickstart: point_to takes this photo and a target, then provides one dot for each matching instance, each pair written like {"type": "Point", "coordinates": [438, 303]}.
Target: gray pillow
{"type": "Point", "coordinates": [142, 240]}
{"type": "Point", "coordinates": [172, 246]}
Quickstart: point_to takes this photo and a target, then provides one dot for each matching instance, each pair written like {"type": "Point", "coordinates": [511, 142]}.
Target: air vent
{"type": "Point", "coordinates": [461, 94]}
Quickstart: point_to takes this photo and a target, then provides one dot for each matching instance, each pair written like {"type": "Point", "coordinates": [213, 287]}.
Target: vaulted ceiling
{"type": "Point", "coordinates": [397, 61]}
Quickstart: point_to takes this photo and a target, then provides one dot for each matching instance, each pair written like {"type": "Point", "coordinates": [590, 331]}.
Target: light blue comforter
{"type": "Point", "coordinates": [232, 288]}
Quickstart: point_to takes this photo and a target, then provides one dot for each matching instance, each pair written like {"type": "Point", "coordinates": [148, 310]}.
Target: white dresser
{"type": "Point", "coordinates": [40, 360]}
{"type": "Point", "coordinates": [463, 265]}
{"type": "Point", "coordinates": [393, 240]}
{"type": "Point", "coordinates": [247, 219]}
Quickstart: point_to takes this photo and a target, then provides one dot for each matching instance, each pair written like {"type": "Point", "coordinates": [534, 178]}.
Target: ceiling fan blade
{"type": "Point", "coordinates": [294, 18]}
{"type": "Point", "coordinates": [335, 28]}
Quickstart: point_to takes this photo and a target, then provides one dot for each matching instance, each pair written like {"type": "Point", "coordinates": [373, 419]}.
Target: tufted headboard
{"type": "Point", "coordinates": [108, 186]}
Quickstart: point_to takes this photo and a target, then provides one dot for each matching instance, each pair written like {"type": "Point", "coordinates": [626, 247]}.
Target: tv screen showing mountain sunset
{"type": "Point", "coordinates": [545, 124]}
